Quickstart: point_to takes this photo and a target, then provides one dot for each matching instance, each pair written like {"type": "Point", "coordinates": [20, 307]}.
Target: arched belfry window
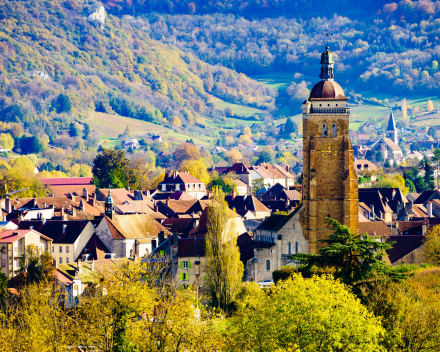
{"type": "Point", "coordinates": [334, 130]}
{"type": "Point", "coordinates": [324, 129]}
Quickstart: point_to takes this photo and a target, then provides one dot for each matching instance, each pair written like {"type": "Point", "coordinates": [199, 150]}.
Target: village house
{"type": "Point", "coordinates": [274, 240]}
{"type": "Point", "coordinates": [128, 236]}
{"type": "Point", "coordinates": [13, 244]}
{"type": "Point", "coordinates": [272, 174]}
{"type": "Point", "coordinates": [69, 237]}
{"type": "Point", "coordinates": [183, 181]}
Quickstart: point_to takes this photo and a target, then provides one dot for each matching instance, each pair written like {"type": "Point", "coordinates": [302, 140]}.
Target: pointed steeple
{"type": "Point", "coordinates": [391, 131]}
{"type": "Point", "coordinates": [391, 124]}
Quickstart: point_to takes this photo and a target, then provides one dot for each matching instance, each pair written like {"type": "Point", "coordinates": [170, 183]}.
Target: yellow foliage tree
{"type": "Point", "coordinates": [245, 139]}
{"type": "Point", "coordinates": [197, 168]}
{"type": "Point", "coordinates": [295, 314]}
{"type": "Point", "coordinates": [430, 106]}
{"type": "Point", "coordinates": [224, 268]}
{"type": "Point", "coordinates": [247, 131]}
{"type": "Point", "coordinates": [6, 141]}
{"type": "Point", "coordinates": [432, 245]}
{"type": "Point", "coordinates": [176, 121]}
{"type": "Point", "coordinates": [234, 156]}
{"type": "Point", "coordinates": [80, 170]}
{"type": "Point", "coordinates": [394, 181]}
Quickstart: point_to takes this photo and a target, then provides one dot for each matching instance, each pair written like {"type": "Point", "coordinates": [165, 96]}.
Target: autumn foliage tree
{"type": "Point", "coordinates": [224, 268]}
{"type": "Point", "coordinates": [186, 151]}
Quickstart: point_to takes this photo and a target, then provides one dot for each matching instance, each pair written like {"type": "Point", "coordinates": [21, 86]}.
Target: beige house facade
{"type": "Point", "coordinates": [13, 244]}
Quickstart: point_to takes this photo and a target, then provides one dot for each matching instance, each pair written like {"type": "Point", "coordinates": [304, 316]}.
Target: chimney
{"type": "Point", "coordinates": [85, 194]}
{"type": "Point", "coordinates": [168, 201]}
{"type": "Point", "coordinates": [81, 205]}
{"type": "Point", "coordinates": [93, 264]}
{"type": "Point", "coordinates": [62, 211]}
{"type": "Point", "coordinates": [372, 210]}
{"type": "Point", "coordinates": [8, 205]}
{"type": "Point", "coordinates": [175, 239]}
{"type": "Point", "coordinates": [74, 212]}
{"type": "Point", "coordinates": [287, 168]}
{"type": "Point", "coordinates": [161, 237]}
{"type": "Point", "coordinates": [429, 209]}
{"type": "Point", "coordinates": [44, 222]}
{"type": "Point", "coordinates": [233, 194]}
{"type": "Point", "coordinates": [44, 205]}
{"type": "Point", "coordinates": [92, 201]}
{"type": "Point", "coordinates": [394, 194]}
{"type": "Point", "coordinates": [64, 228]}
{"type": "Point", "coordinates": [156, 208]}
{"type": "Point", "coordinates": [79, 266]}
{"type": "Point", "coordinates": [287, 203]}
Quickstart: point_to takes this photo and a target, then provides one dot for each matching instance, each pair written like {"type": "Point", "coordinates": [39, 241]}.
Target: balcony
{"type": "Point", "coordinates": [329, 110]}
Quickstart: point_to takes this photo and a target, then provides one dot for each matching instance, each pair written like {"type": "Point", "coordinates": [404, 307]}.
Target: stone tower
{"type": "Point", "coordinates": [330, 184]}
{"type": "Point", "coordinates": [109, 206]}
{"type": "Point", "coordinates": [391, 131]}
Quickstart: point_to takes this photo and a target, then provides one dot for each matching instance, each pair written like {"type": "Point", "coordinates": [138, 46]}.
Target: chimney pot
{"type": "Point", "coordinates": [64, 228]}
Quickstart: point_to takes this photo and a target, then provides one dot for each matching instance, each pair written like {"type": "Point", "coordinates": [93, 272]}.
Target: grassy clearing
{"type": "Point", "coordinates": [239, 110]}
{"type": "Point", "coordinates": [277, 80]}
{"type": "Point", "coordinates": [111, 126]}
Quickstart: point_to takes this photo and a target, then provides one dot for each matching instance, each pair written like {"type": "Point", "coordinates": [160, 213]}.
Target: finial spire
{"type": "Point", "coordinates": [327, 65]}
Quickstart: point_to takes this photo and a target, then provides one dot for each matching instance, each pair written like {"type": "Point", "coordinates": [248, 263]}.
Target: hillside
{"type": "Point", "coordinates": [105, 64]}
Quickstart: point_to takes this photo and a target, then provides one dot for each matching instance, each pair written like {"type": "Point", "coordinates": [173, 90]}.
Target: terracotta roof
{"type": "Point", "coordinates": [410, 227]}
{"type": "Point", "coordinates": [126, 209]}
{"type": "Point", "coordinates": [63, 190]}
{"type": "Point", "coordinates": [420, 211]}
{"type": "Point", "coordinates": [327, 90]}
{"type": "Point", "coordinates": [66, 180]}
{"type": "Point", "coordinates": [179, 177]}
{"type": "Point", "coordinates": [293, 194]}
{"type": "Point", "coordinates": [374, 228]}
{"type": "Point", "coordinates": [240, 183]}
{"type": "Point", "coordinates": [403, 246]}
{"type": "Point", "coordinates": [10, 236]}
{"type": "Point", "coordinates": [392, 145]}
{"type": "Point", "coordinates": [135, 226]}
{"type": "Point", "coordinates": [63, 278]}
{"type": "Point", "coordinates": [364, 164]}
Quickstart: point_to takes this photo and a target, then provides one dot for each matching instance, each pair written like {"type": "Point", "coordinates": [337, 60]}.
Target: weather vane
{"type": "Point", "coordinates": [326, 36]}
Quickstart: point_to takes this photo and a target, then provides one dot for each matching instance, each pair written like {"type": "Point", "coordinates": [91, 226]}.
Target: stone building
{"type": "Point", "coordinates": [330, 184]}
{"type": "Point", "coordinates": [278, 237]}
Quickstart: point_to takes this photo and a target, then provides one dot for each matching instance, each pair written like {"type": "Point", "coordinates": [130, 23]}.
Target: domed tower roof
{"type": "Point", "coordinates": [327, 88]}
{"type": "Point", "coordinates": [327, 57]}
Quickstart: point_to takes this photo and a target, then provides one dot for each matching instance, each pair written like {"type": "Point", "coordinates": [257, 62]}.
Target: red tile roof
{"type": "Point", "coordinates": [10, 236]}
{"type": "Point", "coordinates": [66, 181]}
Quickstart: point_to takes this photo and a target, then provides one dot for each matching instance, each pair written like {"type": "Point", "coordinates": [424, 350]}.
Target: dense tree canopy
{"type": "Point", "coordinates": [111, 169]}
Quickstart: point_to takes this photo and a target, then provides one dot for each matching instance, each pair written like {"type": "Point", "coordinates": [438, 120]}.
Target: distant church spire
{"type": "Point", "coordinates": [391, 131]}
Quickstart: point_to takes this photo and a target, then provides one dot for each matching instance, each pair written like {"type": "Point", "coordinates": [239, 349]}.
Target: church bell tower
{"type": "Point", "coordinates": [330, 184]}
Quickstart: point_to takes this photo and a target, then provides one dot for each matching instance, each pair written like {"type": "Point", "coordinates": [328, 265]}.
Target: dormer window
{"type": "Point", "coordinates": [334, 131]}
{"type": "Point", "coordinates": [324, 129]}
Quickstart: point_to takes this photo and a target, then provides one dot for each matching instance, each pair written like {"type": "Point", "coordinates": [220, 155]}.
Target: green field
{"type": "Point", "coordinates": [239, 110]}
